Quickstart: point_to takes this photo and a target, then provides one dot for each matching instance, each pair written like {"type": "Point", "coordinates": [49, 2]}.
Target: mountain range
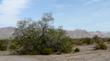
{"type": "Point", "coordinates": [6, 33]}
{"type": "Point", "coordinates": [78, 33]}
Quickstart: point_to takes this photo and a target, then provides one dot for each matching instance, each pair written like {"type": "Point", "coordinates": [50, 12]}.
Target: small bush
{"type": "Point", "coordinates": [76, 50]}
{"type": "Point", "coordinates": [3, 45]}
{"type": "Point", "coordinates": [83, 41]}
{"type": "Point", "coordinates": [99, 43]}
{"type": "Point", "coordinates": [101, 46]}
{"type": "Point", "coordinates": [13, 47]}
{"type": "Point", "coordinates": [87, 41]}
{"type": "Point", "coordinates": [66, 46]}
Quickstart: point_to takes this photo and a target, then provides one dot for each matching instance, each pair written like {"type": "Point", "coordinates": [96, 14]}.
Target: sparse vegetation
{"type": "Point", "coordinates": [99, 43]}
{"type": "Point", "coordinates": [40, 37]}
{"type": "Point", "coordinates": [3, 45]}
{"type": "Point", "coordinates": [83, 41]}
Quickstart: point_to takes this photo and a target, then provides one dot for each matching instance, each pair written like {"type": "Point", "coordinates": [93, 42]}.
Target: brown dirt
{"type": "Point", "coordinates": [87, 54]}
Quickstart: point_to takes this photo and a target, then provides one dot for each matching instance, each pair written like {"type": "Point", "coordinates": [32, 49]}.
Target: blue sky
{"type": "Point", "coordinates": [91, 15]}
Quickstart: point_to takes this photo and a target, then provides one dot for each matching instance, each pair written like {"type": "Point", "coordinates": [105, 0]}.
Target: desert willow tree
{"type": "Point", "coordinates": [39, 37]}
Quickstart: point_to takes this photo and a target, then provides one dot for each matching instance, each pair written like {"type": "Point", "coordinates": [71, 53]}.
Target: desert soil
{"type": "Point", "coordinates": [87, 54]}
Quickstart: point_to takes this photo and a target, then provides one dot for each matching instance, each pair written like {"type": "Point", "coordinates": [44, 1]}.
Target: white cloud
{"type": "Point", "coordinates": [10, 9]}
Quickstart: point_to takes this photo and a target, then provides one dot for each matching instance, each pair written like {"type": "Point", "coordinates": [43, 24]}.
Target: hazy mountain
{"type": "Point", "coordinates": [83, 34]}
{"type": "Point", "coordinates": [6, 33]}
{"type": "Point", "coordinates": [79, 34]}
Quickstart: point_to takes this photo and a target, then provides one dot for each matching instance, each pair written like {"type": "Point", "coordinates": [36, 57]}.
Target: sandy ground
{"type": "Point", "coordinates": [87, 54]}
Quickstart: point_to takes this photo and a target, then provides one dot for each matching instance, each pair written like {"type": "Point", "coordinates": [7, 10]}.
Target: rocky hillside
{"type": "Point", "coordinates": [83, 34]}
{"type": "Point", "coordinates": [6, 33]}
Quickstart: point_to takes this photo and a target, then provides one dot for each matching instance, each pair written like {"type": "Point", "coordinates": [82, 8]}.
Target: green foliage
{"type": "Point", "coordinates": [65, 46]}
{"type": "Point", "coordinates": [3, 45]}
{"type": "Point", "coordinates": [76, 41]}
{"type": "Point", "coordinates": [47, 51]}
{"type": "Point", "coordinates": [107, 40]}
{"type": "Point", "coordinates": [39, 38]}
{"type": "Point", "coordinates": [101, 46]}
{"type": "Point", "coordinates": [99, 43]}
{"type": "Point", "coordinates": [60, 42]}
{"type": "Point", "coordinates": [87, 41]}
{"type": "Point", "coordinates": [76, 50]}
{"type": "Point", "coordinates": [83, 41]}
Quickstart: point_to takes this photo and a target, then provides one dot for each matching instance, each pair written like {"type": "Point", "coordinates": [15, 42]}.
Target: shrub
{"type": "Point", "coordinates": [83, 41]}
{"type": "Point", "coordinates": [23, 48]}
{"type": "Point", "coordinates": [47, 51]}
{"type": "Point", "coordinates": [101, 46]}
{"type": "Point", "coordinates": [99, 43]}
{"type": "Point", "coordinates": [108, 40]}
{"type": "Point", "coordinates": [87, 41]}
{"type": "Point", "coordinates": [3, 45]}
{"type": "Point", "coordinates": [76, 42]}
{"type": "Point", "coordinates": [66, 46]}
{"type": "Point", "coordinates": [76, 50]}
{"type": "Point", "coordinates": [39, 38]}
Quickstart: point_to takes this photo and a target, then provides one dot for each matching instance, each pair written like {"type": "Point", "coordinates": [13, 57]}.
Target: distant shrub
{"type": "Point", "coordinates": [101, 46]}
{"type": "Point", "coordinates": [83, 41]}
{"type": "Point", "coordinates": [76, 50]}
{"type": "Point", "coordinates": [99, 43]}
{"type": "Point", "coordinates": [87, 41]}
{"type": "Point", "coordinates": [108, 40]}
{"type": "Point", "coordinates": [3, 45]}
{"type": "Point", "coordinates": [76, 41]}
